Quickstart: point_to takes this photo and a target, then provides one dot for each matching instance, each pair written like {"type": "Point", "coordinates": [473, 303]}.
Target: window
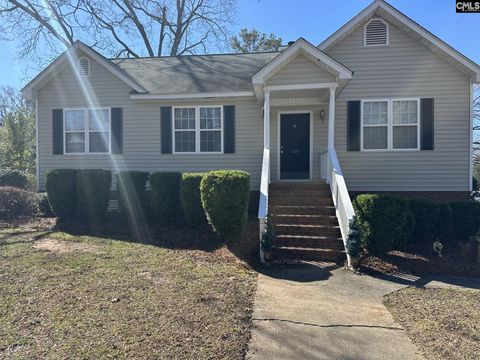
{"type": "Point", "coordinates": [405, 124]}
{"type": "Point", "coordinates": [84, 67]}
{"type": "Point", "coordinates": [376, 33]}
{"type": "Point", "coordinates": [87, 131]}
{"type": "Point", "coordinates": [390, 124]}
{"type": "Point", "coordinates": [197, 129]}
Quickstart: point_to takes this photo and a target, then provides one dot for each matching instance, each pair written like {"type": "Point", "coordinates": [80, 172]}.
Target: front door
{"type": "Point", "coordinates": [295, 146]}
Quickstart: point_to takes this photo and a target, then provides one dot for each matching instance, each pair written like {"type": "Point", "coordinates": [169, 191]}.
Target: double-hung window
{"type": "Point", "coordinates": [87, 131]}
{"type": "Point", "coordinates": [197, 129]}
{"type": "Point", "coordinates": [390, 124]}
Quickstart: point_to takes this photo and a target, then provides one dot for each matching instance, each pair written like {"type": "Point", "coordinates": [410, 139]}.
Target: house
{"type": "Point", "coordinates": [382, 105]}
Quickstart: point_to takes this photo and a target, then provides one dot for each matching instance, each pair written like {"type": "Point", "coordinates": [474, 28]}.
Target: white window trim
{"type": "Point", "coordinates": [79, 66]}
{"type": "Point", "coordinates": [197, 130]}
{"type": "Point", "coordinates": [87, 132]}
{"type": "Point", "coordinates": [390, 125]}
{"type": "Point", "coordinates": [365, 33]}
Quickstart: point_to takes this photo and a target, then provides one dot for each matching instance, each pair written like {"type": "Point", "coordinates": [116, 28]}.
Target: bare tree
{"type": "Point", "coordinates": [476, 120]}
{"type": "Point", "coordinates": [129, 28]}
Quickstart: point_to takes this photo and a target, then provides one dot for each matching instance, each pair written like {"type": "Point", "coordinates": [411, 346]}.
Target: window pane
{"type": "Point", "coordinates": [184, 118]}
{"type": "Point", "coordinates": [210, 118]}
{"type": "Point", "coordinates": [405, 112]}
{"type": "Point", "coordinates": [375, 137]}
{"type": "Point", "coordinates": [210, 141]}
{"type": "Point", "coordinates": [75, 142]}
{"type": "Point", "coordinates": [375, 113]}
{"type": "Point", "coordinates": [185, 141]}
{"type": "Point", "coordinates": [98, 142]}
{"type": "Point", "coordinates": [405, 137]}
{"type": "Point", "coordinates": [98, 120]}
{"type": "Point", "coordinates": [74, 120]}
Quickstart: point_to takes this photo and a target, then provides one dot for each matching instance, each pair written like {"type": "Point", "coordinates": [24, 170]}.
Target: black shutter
{"type": "Point", "coordinates": [353, 126]}
{"type": "Point", "coordinates": [229, 129]}
{"type": "Point", "coordinates": [57, 131]}
{"type": "Point", "coordinates": [426, 124]}
{"type": "Point", "coordinates": [166, 129]}
{"type": "Point", "coordinates": [116, 126]}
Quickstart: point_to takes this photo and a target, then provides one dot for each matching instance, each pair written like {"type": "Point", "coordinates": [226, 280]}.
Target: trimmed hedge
{"type": "Point", "coordinates": [165, 199]}
{"type": "Point", "coordinates": [131, 193]}
{"type": "Point", "coordinates": [190, 199]}
{"type": "Point", "coordinates": [225, 195]}
{"type": "Point", "coordinates": [62, 192]}
{"type": "Point", "coordinates": [15, 178]}
{"type": "Point", "coordinates": [43, 205]}
{"type": "Point", "coordinates": [443, 228]}
{"type": "Point", "coordinates": [15, 202]}
{"type": "Point", "coordinates": [426, 214]}
{"type": "Point", "coordinates": [385, 222]}
{"type": "Point", "coordinates": [465, 218]}
{"type": "Point", "coordinates": [93, 193]}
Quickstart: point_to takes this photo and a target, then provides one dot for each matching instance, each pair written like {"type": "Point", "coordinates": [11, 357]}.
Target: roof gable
{"type": "Point", "coordinates": [64, 59]}
{"type": "Point", "coordinates": [382, 9]}
{"type": "Point", "coordinates": [301, 46]}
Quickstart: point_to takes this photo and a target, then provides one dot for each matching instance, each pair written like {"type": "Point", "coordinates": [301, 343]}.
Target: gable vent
{"type": "Point", "coordinates": [376, 33]}
{"type": "Point", "coordinates": [84, 67]}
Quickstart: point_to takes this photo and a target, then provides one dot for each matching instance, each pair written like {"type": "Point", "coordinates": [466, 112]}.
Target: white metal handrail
{"type": "Point", "coordinates": [263, 200]}
{"type": "Point", "coordinates": [332, 172]}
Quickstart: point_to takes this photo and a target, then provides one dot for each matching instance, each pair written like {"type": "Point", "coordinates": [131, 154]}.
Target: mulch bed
{"type": "Point", "coordinates": [421, 262]}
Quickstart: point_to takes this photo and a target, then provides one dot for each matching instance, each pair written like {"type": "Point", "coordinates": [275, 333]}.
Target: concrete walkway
{"type": "Point", "coordinates": [325, 312]}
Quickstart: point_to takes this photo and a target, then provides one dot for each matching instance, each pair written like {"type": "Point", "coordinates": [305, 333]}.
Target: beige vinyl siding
{"type": "Point", "coordinates": [141, 130]}
{"type": "Point", "coordinates": [405, 68]}
{"type": "Point", "coordinates": [301, 70]}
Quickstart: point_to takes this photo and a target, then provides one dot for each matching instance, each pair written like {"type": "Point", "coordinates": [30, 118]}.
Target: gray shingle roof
{"type": "Point", "coordinates": [194, 74]}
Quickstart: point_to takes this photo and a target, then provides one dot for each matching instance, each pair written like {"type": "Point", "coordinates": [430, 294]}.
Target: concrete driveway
{"type": "Point", "coordinates": [325, 312]}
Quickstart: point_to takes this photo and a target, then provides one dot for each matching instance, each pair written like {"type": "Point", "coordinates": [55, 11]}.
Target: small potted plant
{"type": "Point", "coordinates": [267, 239]}
{"type": "Point", "coordinates": [354, 245]}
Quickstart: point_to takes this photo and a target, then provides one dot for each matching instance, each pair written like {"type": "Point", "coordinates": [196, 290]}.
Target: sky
{"type": "Point", "coordinates": [314, 20]}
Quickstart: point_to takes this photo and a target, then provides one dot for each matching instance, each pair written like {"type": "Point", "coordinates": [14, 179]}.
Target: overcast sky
{"type": "Point", "coordinates": [313, 20]}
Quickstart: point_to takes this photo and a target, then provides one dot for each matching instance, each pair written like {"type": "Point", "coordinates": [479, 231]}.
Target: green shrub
{"type": "Point", "coordinates": [165, 199]}
{"type": "Point", "coordinates": [15, 202]}
{"type": "Point", "coordinates": [426, 219]}
{"type": "Point", "coordinates": [465, 218]}
{"type": "Point", "coordinates": [354, 239]}
{"type": "Point", "coordinates": [93, 193]}
{"type": "Point", "coordinates": [43, 205]}
{"type": "Point", "coordinates": [61, 190]}
{"type": "Point", "coordinates": [15, 178]}
{"type": "Point", "coordinates": [385, 222]}
{"type": "Point", "coordinates": [225, 196]}
{"type": "Point", "coordinates": [443, 228]}
{"type": "Point", "coordinates": [190, 199]}
{"type": "Point", "coordinates": [131, 193]}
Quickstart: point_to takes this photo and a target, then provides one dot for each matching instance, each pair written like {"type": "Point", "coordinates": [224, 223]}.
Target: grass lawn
{"type": "Point", "coordinates": [69, 296]}
{"type": "Point", "coordinates": [443, 323]}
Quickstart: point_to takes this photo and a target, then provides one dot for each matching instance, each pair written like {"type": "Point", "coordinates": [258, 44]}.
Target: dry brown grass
{"type": "Point", "coordinates": [443, 323]}
{"type": "Point", "coordinates": [65, 295]}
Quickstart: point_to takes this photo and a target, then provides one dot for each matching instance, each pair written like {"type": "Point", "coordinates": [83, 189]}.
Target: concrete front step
{"type": "Point", "coordinates": [309, 241]}
{"type": "Point", "coordinates": [307, 254]}
{"type": "Point", "coordinates": [301, 209]}
{"type": "Point", "coordinates": [314, 193]}
{"type": "Point", "coordinates": [304, 219]}
{"type": "Point", "coordinates": [303, 229]}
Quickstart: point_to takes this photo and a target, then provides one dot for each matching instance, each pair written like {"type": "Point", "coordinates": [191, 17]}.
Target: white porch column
{"type": "Point", "coordinates": [266, 121]}
{"type": "Point", "coordinates": [331, 118]}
